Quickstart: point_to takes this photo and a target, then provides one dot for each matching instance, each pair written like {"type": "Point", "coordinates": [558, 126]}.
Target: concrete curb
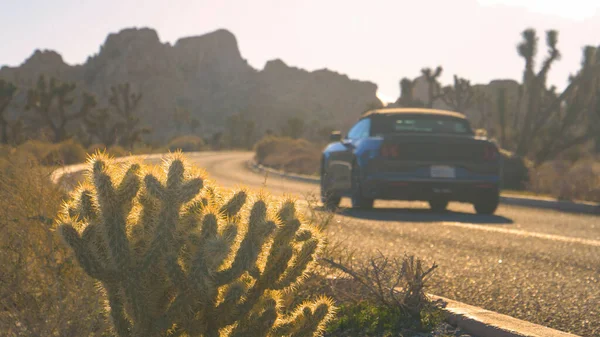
{"type": "Point", "coordinates": [507, 199]}
{"type": "Point", "coordinates": [485, 323]}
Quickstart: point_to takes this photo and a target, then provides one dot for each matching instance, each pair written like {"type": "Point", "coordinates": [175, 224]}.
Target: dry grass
{"type": "Point", "coordinates": [568, 181]}
{"type": "Point", "coordinates": [289, 155]}
{"type": "Point", "coordinates": [65, 153]}
{"type": "Point", "coordinates": [42, 291]}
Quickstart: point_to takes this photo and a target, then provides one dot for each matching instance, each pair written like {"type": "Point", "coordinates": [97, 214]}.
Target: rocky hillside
{"type": "Point", "coordinates": [206, 75]}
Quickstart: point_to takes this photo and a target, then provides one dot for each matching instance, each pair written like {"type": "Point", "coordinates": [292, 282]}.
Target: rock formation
{"type": "Point", "coordinates": [206, 75]}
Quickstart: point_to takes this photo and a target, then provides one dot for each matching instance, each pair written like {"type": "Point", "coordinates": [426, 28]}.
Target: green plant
{"type": "Point", "coordinates": [177, 257]}
{"type": "Point", "coordinates": [397, 284]}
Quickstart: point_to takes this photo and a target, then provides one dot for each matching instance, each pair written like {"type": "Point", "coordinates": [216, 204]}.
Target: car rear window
{"type": "Point", "coordinates": [421, 124]}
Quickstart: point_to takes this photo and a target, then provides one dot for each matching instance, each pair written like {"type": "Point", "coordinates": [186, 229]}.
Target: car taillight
{"type": "Point", "coordinates": [390, 150]}
{"type": "Point", "coordinates": [490, 153]}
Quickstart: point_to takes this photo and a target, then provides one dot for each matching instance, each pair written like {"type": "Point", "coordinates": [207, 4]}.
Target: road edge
{"type": "Point", "coordinates": [485, 323]}
{"type": "Point", "coordinates": [473, 320]}
{"type": "Point", "coordinates": [507, 199]}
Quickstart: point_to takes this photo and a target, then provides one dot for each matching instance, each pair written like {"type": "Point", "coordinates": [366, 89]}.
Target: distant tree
{"type": "Point", "coordinates": [52, 103]}
{"type": "Point", "coordinates": [239, 132]}
{"type": "Point", "coordinates": [459, 96]}
{"type": "Point", "coordinates": [217, 140]}
{"type": "Point", "coordinates": [101, 125]}
{"type": "Point", "coordinates": [181, 117]}
{"type": "Point", "coordinates": [595, 120]}
{"type": "Point", "coordinates": [7, 93]}
{"type": "Point", "coordinates": [293, 128]}
{"type": "Point", "coordinates": [125, 103]}
{"type": "Point", "coordinates": [407, 98]}
{"type": "Point", "coordinates": [194, 125]}
{"type": "Point", "coordinates": [483, 103]}
{"type": "Point", "coordinates": [373, 105]}
{"type": "Point", "coordinates": [434, 89]}
{"type": "Point", "coordinates": [502, 119]}
{"type": "Point", "coordinates": [553, 121]}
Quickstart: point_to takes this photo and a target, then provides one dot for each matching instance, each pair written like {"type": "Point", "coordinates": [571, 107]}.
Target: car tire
{"type": "Point", "coordinates": [438, 205]}
{"type": "Point", "coordinates": [487, 204]}
{"type": "Point", "coordinates": [356, 196]}
{"type": "Point", "coordinates": [330, 200]}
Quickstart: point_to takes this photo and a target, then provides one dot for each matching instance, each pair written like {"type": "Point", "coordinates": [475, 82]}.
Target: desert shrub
{"type": "Point", "coordinates": [42, 291]}
{"type": "Point", "coordinates": [291, 155]}
{"type": "Point", "coordinates": [186, 144]}
{"type": "Point", "coordinates": [117, 151]}
{"type": "Point", "coordinates": [69, 152]}
{"type": "Point", "coordinates": [96, 147]}
{"type": "Point", "coordinates": [568, 181]}
{"type": "Point", "coordinates": [173, 255]}
{"type": "Point", "coordinates": [515, 173]}
{"type": "Point", "coordinates": [64, 153]}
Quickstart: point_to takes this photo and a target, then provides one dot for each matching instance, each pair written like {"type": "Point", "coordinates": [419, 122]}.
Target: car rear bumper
{"type": "Point", "coordinates": [420, 189]}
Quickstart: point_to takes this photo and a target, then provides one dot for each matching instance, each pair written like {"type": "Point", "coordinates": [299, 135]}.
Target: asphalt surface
{"type": "Point", "coordinates": [542, 266]}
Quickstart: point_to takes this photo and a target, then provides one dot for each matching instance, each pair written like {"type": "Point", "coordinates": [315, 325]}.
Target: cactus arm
{"type": "Point", "coordinates": [259, 230]}
{"type": "Point", "coordinates": [258, 325]}
{"type": "Point", "coordinates": [122, 326]}
{"type": "Point", "coordinates": [112, 217]}
{"type": "Point", "coordinates": [234, 205]}
{"type": "Point", "coordinates": [308, 319]}
{"type": "Point", "coordinates": [82, 253]}
{"type": "Point", "coordinates": [298, 265]}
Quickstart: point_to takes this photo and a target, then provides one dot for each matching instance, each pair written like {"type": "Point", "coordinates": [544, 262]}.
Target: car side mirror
{"type": "Point", "coordinates": [335, 136]}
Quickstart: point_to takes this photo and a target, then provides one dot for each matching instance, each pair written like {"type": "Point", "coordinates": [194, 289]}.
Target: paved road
{"type": "Point", "coordinates": [538, 265]}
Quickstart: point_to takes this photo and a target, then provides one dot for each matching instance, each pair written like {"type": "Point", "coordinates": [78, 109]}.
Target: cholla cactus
{"type": "Point", "coordinates": [177, 257]}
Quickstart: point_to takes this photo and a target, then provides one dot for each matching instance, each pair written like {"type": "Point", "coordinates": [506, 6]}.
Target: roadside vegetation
{"type": "Point", "coordinates": [50, 289]}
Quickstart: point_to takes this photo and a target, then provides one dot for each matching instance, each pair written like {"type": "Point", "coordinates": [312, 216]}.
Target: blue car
{"type": "Point", "coordinates": [411, 154]}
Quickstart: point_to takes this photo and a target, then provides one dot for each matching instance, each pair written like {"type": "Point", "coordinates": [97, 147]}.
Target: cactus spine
{"type": "Point", "coordinates": [175, 256]}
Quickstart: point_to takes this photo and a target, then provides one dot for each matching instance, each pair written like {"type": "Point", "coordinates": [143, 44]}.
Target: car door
{"type": "Point", "coordinates": [341, 161]}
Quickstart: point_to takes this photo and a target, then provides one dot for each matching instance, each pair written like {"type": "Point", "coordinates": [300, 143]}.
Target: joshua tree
{"type": "Point", "coordinates": [460, 95]}
{"type": "Point", "coordinates": [100, 125]}
{"type": "Point", "coordinates": [407, 98]}
{"type": "Point", "coordinates": [177, 257]}
{"type": "Point", "coordinates": [51, 101]}
{"type": "Point", "coordinates": [502, 120]}
{"type": "Point", "coordinates": [434, 88]}
{"type": "Point", "coordinates": [7, 92]}
{"type": "Point", "coordinates": [551, 120]}
{"type": "Point", "coordinates": [240, 132]}
{"type": "Point", "coordinates": [294, 128]}
{"type": "Point", "coordinates": [125, 104]}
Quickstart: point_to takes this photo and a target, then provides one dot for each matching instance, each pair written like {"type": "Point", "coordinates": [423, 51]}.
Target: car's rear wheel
{"type": "Point", "coordinates": [487, 203]}
{"type": "Point", "coordinates": [357, 198]}
{"type": "Point", "coordinates": [438, 204]}
{"type": "Point", "coordinates": [330, 200]}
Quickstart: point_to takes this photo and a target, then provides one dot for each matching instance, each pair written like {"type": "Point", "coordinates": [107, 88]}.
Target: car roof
{"type": "Point", "coordinates": [413, 111]}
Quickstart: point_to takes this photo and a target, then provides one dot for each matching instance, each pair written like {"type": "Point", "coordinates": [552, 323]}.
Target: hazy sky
{"type": "Point", "coordinates": [376, 40]}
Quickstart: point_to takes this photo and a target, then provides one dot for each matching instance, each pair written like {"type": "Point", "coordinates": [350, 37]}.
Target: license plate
{"type": "Point", "coordinates": [442, 171]}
